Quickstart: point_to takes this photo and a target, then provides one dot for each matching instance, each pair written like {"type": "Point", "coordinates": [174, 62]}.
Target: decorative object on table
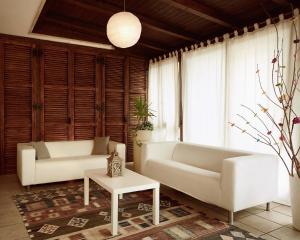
{"type": "Point", "coordinates": [100, 145]}
{"type": "Point", "coordinates": [143, 130]}
{"type": "Point", "coordinates": [123, 29]}
{"type": "Point", "coordinates": [282, 138]}
{"type": "Point", "coordinates": [114, 165]}
{"type": "Point", "coordinates": [92, 222]}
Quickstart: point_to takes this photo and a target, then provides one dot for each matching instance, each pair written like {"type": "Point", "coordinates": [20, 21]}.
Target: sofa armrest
{"type": "Point", "coordinates": [120, 148]}
{"type": "Point", "coordinates": [248, 181]}
{"type": "Point", "coordinates": [156, 150]}
{"type": "Point", "coordinates": [26, 163]}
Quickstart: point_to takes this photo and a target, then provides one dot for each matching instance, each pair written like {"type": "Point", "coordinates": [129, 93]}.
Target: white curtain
{"type": "Point", "coordinates": [216, 80]}
{"type": "Point", "coordinates": [164, 98]}
{"type": "Point", "coordinates": [219, 78]}
{"type": "Point", "coordinates": [244, 55]}
{"type": "Point", "coordinates": [203, 95]}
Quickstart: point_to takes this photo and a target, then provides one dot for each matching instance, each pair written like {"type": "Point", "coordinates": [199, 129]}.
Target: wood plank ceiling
{"type": "Point", "coordinates": [166, 24]}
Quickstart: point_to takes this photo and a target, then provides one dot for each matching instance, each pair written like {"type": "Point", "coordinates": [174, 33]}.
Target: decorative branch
{"type": "Point", "coordinates": [284, 94]}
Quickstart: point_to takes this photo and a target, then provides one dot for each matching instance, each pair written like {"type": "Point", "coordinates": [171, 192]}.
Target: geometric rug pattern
{"type": "Point", "coordinates": [60, 214]}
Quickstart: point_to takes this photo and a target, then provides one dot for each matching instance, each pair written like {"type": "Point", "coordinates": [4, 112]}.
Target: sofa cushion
{"type": "Point", "coordinates": [70, 148]}
{"type": "Point", "coordinates": [41, 150]}
{"type": "Point", "coordinates": [100, 145]}
{"type": "Point", "coordinates": [201, 156]}
{"type": "Point", "coordinates": [67, 168]}
{"type": "Point", "coordinates": [199, 183]}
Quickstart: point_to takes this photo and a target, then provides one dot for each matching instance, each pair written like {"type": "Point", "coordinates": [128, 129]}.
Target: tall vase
{"type": "Point", "coordinates": [141, 137]}
{"type": "Point", "coordinates": [295, 200]}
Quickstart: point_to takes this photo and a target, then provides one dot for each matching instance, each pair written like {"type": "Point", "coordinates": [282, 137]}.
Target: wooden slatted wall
{"type": "Point", "coordinates": [55, 95]}
{"type": "Point", "coordinates": [17, 90]}
{"type": "Point", "coordinates": [86, 97]}
{"type": "Point", "coordinates": [137, 87]}
{"type": "Point", "coordinates": [52, 93]}
{"type": "Point", "coordinates": [114, 98]}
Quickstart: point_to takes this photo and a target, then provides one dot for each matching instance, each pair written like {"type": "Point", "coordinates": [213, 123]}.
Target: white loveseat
{"type": "Point", "coordinates": [68, 161]}
{"type": "Point", "coordinates": [230, 179]}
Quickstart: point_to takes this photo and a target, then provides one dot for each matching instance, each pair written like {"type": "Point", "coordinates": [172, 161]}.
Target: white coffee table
{"type": "Point", "coordinates": [117, 186]}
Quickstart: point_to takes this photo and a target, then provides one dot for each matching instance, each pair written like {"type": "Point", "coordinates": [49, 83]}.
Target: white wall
{"type": "Point", "coordinates": [17, 17]}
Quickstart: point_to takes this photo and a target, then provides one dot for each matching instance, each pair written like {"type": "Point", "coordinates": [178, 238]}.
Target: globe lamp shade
{"type": "Point", "coordinates": [123, 29]}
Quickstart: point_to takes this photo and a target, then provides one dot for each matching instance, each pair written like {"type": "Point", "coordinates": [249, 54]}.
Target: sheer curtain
{"type": "Point", "coordinates": [203, 95]}
{"type": "Point", "coordinates": [163, 98]}
{"type": "Point", "coordinates": [219, 78]}
{"type": "Point", "coordinates": [216, 80]}
{"type": "Point", "coordinates": [244, 55]}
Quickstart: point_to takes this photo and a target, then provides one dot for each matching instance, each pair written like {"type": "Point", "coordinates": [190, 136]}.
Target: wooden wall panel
{"type": "Point", "coordinates": [137, 88]}
{"type": "Point", "coordinates": [52, 91]}
{"type": "Point", "coordinates": [17, 85]}
{"type": "Point", "coordinates": [55, 97]}
{"type": "Point", "coordinates": [86, 100]}
{"type": "Point", "coordinates": [2, 119]}
{"type": "Point", "coordinates": [114, 98]}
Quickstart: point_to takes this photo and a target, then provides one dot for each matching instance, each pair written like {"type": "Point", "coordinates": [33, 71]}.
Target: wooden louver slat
{"type": "Point", "coordinates": [55, 121]}
{"type": "Point", "coordinates": [85, 99]}
{"type": "Point", "coordinates": [114, 98]}
{"type": "Point", "coordinates": [17, 101]}
{"type": "Point", "coordinates": [137, 88]}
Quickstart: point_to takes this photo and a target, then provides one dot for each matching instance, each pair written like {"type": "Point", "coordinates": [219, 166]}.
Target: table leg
{"type": "Point", "coordinates": [86, 190]}
{"type": "Point", "coordinates": [155, 209]}
{"type": "Point", "coordinates": [114, 214]}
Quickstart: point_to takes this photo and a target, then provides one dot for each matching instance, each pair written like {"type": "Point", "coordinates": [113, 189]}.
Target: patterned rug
{"type": "Point", "coordinates": [61, 215]}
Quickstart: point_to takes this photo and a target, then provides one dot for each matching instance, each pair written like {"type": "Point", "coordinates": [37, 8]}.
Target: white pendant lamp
{"type": "Point", "coordinates": [123, 29]}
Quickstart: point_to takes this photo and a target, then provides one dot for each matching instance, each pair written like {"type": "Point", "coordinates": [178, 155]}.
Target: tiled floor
{"type": "Point", "coordinates": [276, 224]}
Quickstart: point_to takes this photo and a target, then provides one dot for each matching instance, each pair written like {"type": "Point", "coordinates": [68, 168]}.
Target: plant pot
{"type": "Point", "coordinates": [141, 137]}
{"type": "Point", "coordinates": [295, 200]}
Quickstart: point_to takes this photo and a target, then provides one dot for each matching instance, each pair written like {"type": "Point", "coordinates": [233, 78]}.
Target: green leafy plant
{"type": "Point", "coordinates": [143, 113]}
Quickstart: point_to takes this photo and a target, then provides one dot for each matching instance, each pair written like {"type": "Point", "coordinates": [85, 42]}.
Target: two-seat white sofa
{"type": "Point", "coordinates": [233, 180]}
{"type": "Point", "coordinates": [69, 160]}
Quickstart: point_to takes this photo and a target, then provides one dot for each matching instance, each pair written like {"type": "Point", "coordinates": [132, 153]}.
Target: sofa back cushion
{"type": "Point", "coordinates": [41, 150]}
{"type": "Point", "coordinates": [70, 148]}
{"type": "Point", "coordinates": [100, 146]}
{"type": "Point", "coordinates": [206, 157]}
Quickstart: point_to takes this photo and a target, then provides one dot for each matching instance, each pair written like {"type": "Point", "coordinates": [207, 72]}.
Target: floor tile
{"type": "Point", "coordinates": [268, 237]}
{"type": "Point", "coordinates": [285, 233]}
{"type": "Point", "coordinates": [276, 217]}
{"type": "Point", "coordinates": [283, 209]}
{"type": "Point", "coordinates": [13, 232]}
{"type": "Point", "coordinates": [247, 228]}
{"type": "Point", "coordinates": [241, 214]}
{"type": "Point", "coordinates": [255, 210]}
{"type": "Point", "coordinates": [272, 205]}
{"type": "Point", "coordinates": [260, 223]}
{"type": "Point", "coordinates": [9, 216]}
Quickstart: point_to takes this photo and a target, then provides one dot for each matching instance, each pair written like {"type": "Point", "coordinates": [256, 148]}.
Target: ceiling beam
{"type": "Point", "coordinates": [95, 30]}
{"type": "Point", "coordinates": [203, 11]}
{"type": "Point", "coordinates": [108, 9]}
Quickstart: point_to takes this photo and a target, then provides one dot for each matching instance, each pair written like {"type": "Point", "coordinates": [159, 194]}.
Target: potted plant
{"type": "Point", "coordinates": [282, 138]}
{"type": "Point", "coordinates": [143, 130]}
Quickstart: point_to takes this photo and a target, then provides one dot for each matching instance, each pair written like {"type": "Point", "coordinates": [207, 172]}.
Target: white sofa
{"type": "Point", "coordinates": [230, 179]}
{"type": "Point", "coordinates": [68, 161]}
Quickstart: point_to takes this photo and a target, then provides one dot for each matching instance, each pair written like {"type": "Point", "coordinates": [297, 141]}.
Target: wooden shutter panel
{"type": "Point", "coordinates": [17, 101]}
{"type": "Point", "coordinates": [86, 117]}
{"type": "Point", "coordinates": [55, 87]}
{"type": "Point", "coordinates": [137, 88]}
{"type": "Point", "coordinates": [114, 98]}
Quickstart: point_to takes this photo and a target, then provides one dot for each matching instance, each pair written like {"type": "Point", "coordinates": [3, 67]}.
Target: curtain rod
{"type": "Point", "coordinates": [235, 33]}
